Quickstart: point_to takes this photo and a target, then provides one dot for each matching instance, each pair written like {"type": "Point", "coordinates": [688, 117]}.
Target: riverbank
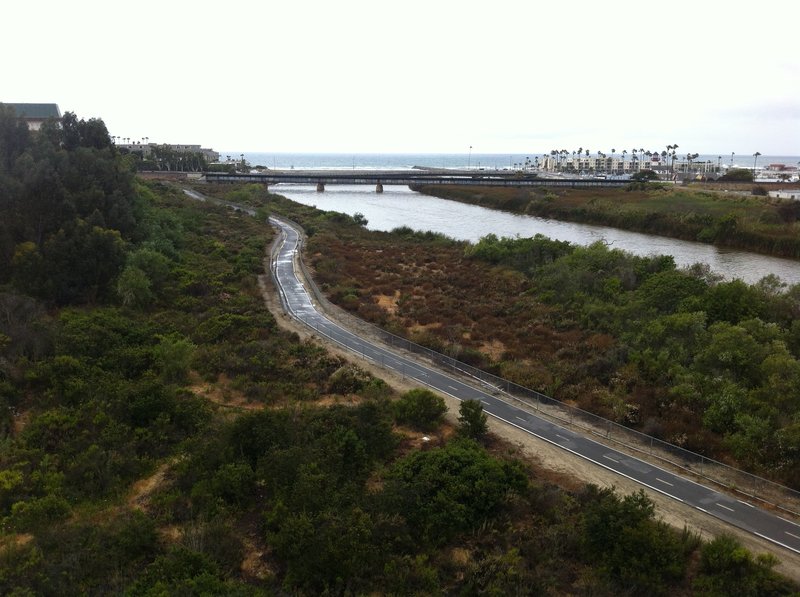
{"type": "Point", "coordinates": [727, 219]}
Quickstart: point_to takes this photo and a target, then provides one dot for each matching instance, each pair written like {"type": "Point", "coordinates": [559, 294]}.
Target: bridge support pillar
{"type": "Point", "coordinates": [320, 187]}
{"type": "Point", "coordinates": [379, 188]}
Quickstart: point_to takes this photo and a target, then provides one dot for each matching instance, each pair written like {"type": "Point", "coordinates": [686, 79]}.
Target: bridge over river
{"type": "Point", "coordinates": [411, 178]}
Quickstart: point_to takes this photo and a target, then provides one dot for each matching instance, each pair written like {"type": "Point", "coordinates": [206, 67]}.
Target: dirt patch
{"type": "Point", "coordinates": [17, 540]}
{"type": "Point", "coordinates": [254, 565]}
{"type": "Point", "coordinates": [20, 421]}
{"type": "Point", "coordinates": [419, 328]}
{"type": "Point", "coordinates": [460, 556]}
{"type": "Point", "coordinates": [388, 303]}
{"type": "Point", "coordinates": [494, 349]}
{"type": "Point", "coordinates": [339, 400]}
{"type": "Point", "coordinates": [171, 534]}
{"type": "Point", "coordinates": [220, 393]}
{"type": "Point", "coordinates": [142, 490]}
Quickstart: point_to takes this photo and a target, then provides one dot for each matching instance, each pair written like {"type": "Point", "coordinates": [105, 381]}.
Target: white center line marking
{"type": "Point", "coordinates": [726, 507]}
{"type": "Point", "coordinates": [791, 534]}
{"type": "Point", "coordinates": [665, 482]}
{"type": "Point", "coordinates": [746, 503]}
{"type": "Point", "coordinates": [452, 388]}
{"type": "Point", "coordinates": [521, 419]}
{"type": "Point", "coordinates": [611, 459]}
{"type": "Point", "coordinates": [566, 439]}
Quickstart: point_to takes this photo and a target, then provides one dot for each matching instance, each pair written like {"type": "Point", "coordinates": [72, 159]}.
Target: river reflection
{"type": "Point", "coordinates": [399, 206]}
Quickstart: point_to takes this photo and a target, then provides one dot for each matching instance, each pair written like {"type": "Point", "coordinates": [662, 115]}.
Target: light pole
{"type": "Point", "coordinates": [469, 159]}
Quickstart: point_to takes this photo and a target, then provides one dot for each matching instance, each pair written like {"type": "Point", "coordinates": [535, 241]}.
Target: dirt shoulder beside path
{"type": "Point", "coordinates": [559, 466]}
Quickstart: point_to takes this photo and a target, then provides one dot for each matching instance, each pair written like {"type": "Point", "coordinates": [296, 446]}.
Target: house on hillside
{"type": "Point", "coordinates": [36, 114]}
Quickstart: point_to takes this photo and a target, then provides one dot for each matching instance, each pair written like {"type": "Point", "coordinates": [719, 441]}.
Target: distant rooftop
{"type": "Point", "coordinates": [36, 114]}
{"type": "Point", "coordinates": [36, 111]}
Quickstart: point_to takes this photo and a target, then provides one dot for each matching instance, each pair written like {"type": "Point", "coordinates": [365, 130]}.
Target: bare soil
{"type": "Point", "coordinates": [141, 491]}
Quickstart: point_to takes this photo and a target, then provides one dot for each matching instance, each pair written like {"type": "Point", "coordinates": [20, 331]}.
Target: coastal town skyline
{"type": "Point", "coordinates": [419, 78]}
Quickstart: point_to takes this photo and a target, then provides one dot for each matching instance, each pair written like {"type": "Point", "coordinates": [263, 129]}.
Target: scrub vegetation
{"type": "Point", "coordinates": [161, 435]}
{"type": "Point", "coordinates": [732, 219]}
{"type": "Point", "coordinates": [709, 365]}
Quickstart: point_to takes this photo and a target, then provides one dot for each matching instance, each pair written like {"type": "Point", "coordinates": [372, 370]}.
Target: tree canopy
{"type": "Point", "coordinates": [69, 207]}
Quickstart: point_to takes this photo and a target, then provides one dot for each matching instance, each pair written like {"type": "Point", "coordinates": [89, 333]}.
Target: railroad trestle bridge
{"type": "Point", "coordinates": [411, 178]}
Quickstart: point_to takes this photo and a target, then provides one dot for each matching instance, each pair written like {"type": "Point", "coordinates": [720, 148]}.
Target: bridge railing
{"type": "Point", "coordinates": [646, 446]}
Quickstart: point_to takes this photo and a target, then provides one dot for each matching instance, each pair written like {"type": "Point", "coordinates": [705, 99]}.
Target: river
{"type": "Point", "coordinates": [399, 206]}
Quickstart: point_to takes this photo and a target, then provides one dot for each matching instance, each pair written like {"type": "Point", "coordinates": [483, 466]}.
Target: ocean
{"type": "Point", "coordinates": [487, 161]}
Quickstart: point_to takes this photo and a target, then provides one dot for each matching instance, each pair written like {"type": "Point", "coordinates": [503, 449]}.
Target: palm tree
{"type": "Point", "coordinates": [689, 158]}
{"type": "Point", "coordinates": [674, 154]}
{"type": "Point", "coordinates": [755, 159]}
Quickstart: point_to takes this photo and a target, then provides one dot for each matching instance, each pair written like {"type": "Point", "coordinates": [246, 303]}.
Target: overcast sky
{"type": "Point", "coordinates": [417, 76]}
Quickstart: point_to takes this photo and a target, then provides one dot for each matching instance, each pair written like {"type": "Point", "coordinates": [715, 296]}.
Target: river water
{"type": "Point", "coordinates": [399, 206]}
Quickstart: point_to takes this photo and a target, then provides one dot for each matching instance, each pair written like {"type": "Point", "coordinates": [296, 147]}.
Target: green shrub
{"type": "Point", "coordinates": [421, 409]}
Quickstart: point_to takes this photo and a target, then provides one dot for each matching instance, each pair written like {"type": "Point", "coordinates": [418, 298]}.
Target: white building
{"type": "Point", "coordinates": [145, 149]}
{"type": "Point", "coordinates": [793, 194]}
